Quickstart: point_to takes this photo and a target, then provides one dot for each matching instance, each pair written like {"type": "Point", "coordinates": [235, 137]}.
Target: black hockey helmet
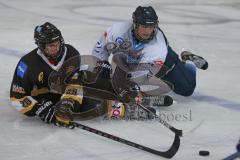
{"type": "Point", "coordinates": [48, 33]}
{"type": "Point", "coordinates": [145, 16]}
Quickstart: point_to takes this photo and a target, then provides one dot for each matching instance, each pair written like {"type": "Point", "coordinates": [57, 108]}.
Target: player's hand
{"type": "Point", "coordinates": [104, 69]}
{"type": "Point", "coordinates": [45, 111]}
{"type": "Point", "coordinates": [63, 113]}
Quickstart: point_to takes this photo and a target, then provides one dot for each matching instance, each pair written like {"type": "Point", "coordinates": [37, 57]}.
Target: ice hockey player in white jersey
{"type": "Point", "coordinates": [149, 44]}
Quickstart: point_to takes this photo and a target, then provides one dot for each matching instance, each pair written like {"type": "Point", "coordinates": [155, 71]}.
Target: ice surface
{"type": "Point", "coordinates": [210, 118]}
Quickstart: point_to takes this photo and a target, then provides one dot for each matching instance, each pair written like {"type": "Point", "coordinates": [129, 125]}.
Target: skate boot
{"type": "Point", "coordinates": [200, 62]}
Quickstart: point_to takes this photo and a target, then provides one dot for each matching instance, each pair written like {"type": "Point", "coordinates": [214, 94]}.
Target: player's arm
{"type": "Point", "coordinates": [20, 93]}
{"type": "Point", "coordinates": [99, 50]}
{"type": "Point", "coordinates": [71, 99]}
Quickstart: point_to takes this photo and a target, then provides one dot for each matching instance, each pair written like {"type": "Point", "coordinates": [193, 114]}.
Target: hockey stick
{"type": "Point", "coordinates": [173, 129]}
{"type": "Point", "coordinates": [233, 156]}
{"type": "Point", "coordinates": [166, 154]}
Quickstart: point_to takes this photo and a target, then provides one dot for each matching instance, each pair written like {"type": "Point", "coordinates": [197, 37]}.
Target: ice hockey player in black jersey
{"type": "Point", "coordinates": [30, 92]}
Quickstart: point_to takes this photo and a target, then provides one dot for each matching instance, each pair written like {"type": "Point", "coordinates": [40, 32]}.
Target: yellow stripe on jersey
{"type": "Point", "coordinates": [24, 104]}
{"type": "Point", "coordinates": [74, 92]}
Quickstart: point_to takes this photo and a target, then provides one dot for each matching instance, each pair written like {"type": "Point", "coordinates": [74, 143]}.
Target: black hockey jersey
{"type": "Point", "coordinates": [30, 86]}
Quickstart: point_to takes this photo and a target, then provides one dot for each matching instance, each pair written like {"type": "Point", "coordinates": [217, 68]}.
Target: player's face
{"type": "Point", "coordinates": [144, 31]}
{"type": "Point", "coordinates": [52, 49]}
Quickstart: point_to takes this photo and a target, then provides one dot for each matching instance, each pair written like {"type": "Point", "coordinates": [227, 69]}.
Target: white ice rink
{"type": "Point", "coordinates": [210, 28]}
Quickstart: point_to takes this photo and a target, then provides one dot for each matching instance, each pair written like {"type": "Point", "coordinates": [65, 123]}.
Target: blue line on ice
{"type": "Point", "coordinates": [217, 101]}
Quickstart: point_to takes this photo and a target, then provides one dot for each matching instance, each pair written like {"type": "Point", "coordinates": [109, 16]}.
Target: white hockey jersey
{"type": "Point", "coordinates": [155, 50]}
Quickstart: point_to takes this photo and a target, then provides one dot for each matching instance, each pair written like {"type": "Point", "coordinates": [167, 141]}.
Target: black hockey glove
{"type": "Point", "coordinates": [63, 113]}
{"type": "Point", "coordinates": [46, 111]}
{"type": "Point", "coordinates": [59, 114]}
{"type": "Point", "coordinates": [103, 69]}
{"type": "Point", "coordinates": [49, 117]}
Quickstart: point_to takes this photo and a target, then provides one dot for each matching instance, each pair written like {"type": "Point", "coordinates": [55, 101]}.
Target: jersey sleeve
{"type": "Point", "coordinates": [98, 50]}
{"type": "Point", "coordinates": [20, 91]}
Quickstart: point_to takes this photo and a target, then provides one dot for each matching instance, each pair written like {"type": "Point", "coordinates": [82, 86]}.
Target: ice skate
{"type": "Point", "coordinates": [200, 62]}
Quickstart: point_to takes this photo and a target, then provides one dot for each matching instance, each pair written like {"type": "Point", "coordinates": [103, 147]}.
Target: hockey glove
{"type": "Point", "coordinates": [46, 111]}
{"type": "Point", "coordinates": [63, 113]}
{"type": "Point", "coordinates": [49, 117]}
{"type": "Point", "coordinates": [104, 69]}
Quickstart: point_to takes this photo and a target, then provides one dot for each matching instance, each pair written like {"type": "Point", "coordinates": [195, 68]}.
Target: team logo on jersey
{"type": "Point", "coordinates": [18, 89]}
{"type": "Point", "coordinates": [21, 69]}
{"type": "Point", "coordinates": [40, 77]}
{"type": "Point", "coordinates": [26, 102]}
{"type": "Point", "coordinates": [119, 40]}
